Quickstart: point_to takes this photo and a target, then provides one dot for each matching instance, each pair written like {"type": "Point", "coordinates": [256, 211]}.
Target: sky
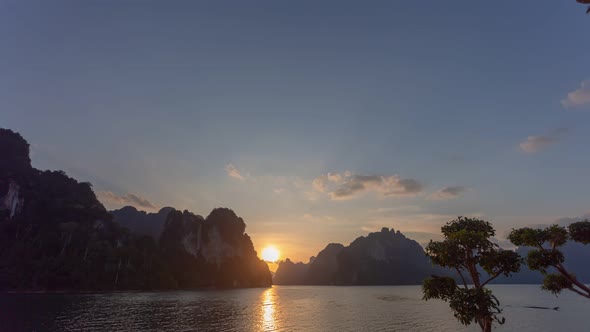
{"type": "Point", "coordinates": [316, 122]}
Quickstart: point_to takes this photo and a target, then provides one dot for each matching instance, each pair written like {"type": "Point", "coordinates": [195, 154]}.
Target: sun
{"type": "Point", "coordinates": [270, 254]}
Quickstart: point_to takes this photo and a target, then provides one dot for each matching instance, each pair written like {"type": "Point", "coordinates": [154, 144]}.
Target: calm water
{"type": "Point", "coordinates": [281, 308]}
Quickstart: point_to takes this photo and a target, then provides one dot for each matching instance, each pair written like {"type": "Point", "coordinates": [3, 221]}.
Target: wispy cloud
{"type": "Point", "coordinates": [578, 97]}
{"type": "Point", "coordinates": [112, 199]}
{"type": "Point", "coordinates": [534, 144]}
{"type": "Point", "coordinates": [313, 218]}
{"type": "Point", "coordinates": [405, 209]}
{"type": "Point", "coordinates": [341, 186]}
{"type": "Point", "coordinates": [566, 221]}
{"type": "Point", "coordinates": [233, 172]}
{"type": "Point", "coordinates": [448, 193]}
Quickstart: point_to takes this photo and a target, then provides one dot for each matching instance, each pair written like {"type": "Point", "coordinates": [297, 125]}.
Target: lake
{"type": "Point", "coordinates": [281, 308]}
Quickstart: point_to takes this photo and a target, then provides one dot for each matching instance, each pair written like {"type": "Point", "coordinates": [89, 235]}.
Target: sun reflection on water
{"type": "Point", "coordinates": [268, 319]}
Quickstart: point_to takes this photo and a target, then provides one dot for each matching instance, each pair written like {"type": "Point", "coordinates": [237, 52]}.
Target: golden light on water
{"type": "Point", "coordinates": [270, 254]}
{"type": "Point", "coordinates": [268, 320]}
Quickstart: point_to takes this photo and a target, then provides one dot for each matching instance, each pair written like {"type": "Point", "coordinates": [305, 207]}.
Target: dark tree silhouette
{"type": "Point", "coordinates": [546, 243]}
{"type": "Point", "coordinates": [586, 2]}
{"type": "Point", "coordinates": [466, 246]}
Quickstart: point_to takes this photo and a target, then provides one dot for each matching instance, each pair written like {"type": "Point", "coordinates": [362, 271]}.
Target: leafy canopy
{"type": "Point", "coordinates": [465, 248]}
{"type": "Point", "coordinates": [546, 254]}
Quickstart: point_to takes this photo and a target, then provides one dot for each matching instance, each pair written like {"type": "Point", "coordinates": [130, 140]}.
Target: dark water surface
{"type": "Point", "coordinates": [281, 308]}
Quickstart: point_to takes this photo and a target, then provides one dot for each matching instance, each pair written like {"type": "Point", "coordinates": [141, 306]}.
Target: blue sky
{"type": "Point", "coordinates": [419, 111]}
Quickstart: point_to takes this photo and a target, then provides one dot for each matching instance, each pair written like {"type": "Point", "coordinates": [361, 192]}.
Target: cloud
{"type": "Point", "coordinates": [567, 221]}
{"type": "Point", "coordinates": [503, 243]}
{"type": "Point", "coordinates": [234, 172]}
{"type": "Point", "coordinates": [405, 209]}
{"type": "Point", "coordinates": [312, 218]}
{"type": "Point", "coordinates": [448, 193]}
{"type": "Point", "coordinates": [578, 97]}
{"type": "Point", "coordinates": [110, 198]}
{"type": "Point", "coordinates": [341, 186]}
{"type": "Point", "coordinates": [534, 144]}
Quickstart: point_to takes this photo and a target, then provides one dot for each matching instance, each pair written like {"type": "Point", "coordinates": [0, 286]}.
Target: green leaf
{"type": "Point", "coordinates": [540, 260]}
{"type": "Point", "coordinates": [580, 231]}
{"type": "Point", "coordinates": [555, 283]}
{"type": "Point", "coordinates": [527, 237]}
{"type": "Point", "coordinates": [439, 288]}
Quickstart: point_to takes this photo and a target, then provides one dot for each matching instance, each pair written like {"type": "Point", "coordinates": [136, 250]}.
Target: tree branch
{"type": "Point", "coordinates": [462, 278]}
{"type": "Point", "coordinates": [471, 268]}
{"type": "Point", "coordinates": [577, 291]}
{"type": "Point", "coordinates": [480, 322]}
{"type": "Point", "coordinates": [561, 269]}
{"type": "Point", "coordinates": [571, 278]}
{"type": "Point", "coordinates": [564, 273]}
{"type": "Point", "coordinates": [492, 278]}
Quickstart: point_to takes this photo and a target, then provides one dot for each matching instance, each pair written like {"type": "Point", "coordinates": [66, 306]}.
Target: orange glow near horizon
{"type": "Point", "coordinates": [270, 254]}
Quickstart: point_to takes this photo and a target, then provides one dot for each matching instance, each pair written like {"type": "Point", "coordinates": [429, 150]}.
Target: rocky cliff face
{"type": "Point", "coordinates": [289, 273]}
{"type": "Point", "coordinates": [215, 249]}
{"type": "Point", "coordinates": [12, 200]}
{"type": "Point", "coordinates": [381, 258]}
{"type": "Point", "coordinates": [32, 196]}
{"type": "Point", "coordinates": [15, 168]}
{"type": "Point", "coordinates": [48, 237]}
{"type": "Point", "coordinates": [14, 157]}
{"type": "Point", "coordinates": [55, 234]}
{"type": "Point", "coordinates": [141, 222]}
{"type": "Point", "coordinates": [324, 269]}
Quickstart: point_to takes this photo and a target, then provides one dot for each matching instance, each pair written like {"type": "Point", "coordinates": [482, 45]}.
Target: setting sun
{"type": "Point", "coordinates": [270, 254]}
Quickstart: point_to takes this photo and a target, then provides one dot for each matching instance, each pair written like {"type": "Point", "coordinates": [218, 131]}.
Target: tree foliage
{"type": "Point", "coordinates": [546, 254]}
{"type": "Point", "coordinates": [467, 246]}
{"type": "Point", "coordinates": [586, 2]}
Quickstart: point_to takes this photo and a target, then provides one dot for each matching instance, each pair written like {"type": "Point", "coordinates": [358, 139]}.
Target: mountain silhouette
{"type": "Point", "coordinates": [212, 251]}
{"type": "Point", "coordinates": [141, 222]}
{"type": "Point", "coordinates": [56, 235]}
{"type": "Point", "coordinates": [380, 258]}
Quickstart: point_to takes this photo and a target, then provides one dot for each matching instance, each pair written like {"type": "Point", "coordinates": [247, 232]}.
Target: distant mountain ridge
{"type": "Point", "coordinates": [380, 258]}
{"type": "Point", "coordinates": [141, 222]}
{"type": "Point", "coordinates": [56, 235]}
{"type": "Point", "coordinates": [390, 258]}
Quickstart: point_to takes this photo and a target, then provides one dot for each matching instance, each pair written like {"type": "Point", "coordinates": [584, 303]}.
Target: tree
{"type": "Point", "coordinates": [546, 254]}
{"type": "Point", "coordinates": [467, 246]}
{"type": "Point", "coordinates": [586, 2]}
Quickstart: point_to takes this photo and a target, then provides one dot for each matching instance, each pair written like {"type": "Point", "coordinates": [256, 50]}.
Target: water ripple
{"type": "Point", "coordinates": [286, 308]}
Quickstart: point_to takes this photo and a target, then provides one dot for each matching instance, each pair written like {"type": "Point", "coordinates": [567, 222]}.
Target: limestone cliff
{"type": "Point", "coordinates": [380, 258]}
{"type": "Point", "coordinates": [56, 235]}
{"type": "Point", "coordinates": [215, 249]}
